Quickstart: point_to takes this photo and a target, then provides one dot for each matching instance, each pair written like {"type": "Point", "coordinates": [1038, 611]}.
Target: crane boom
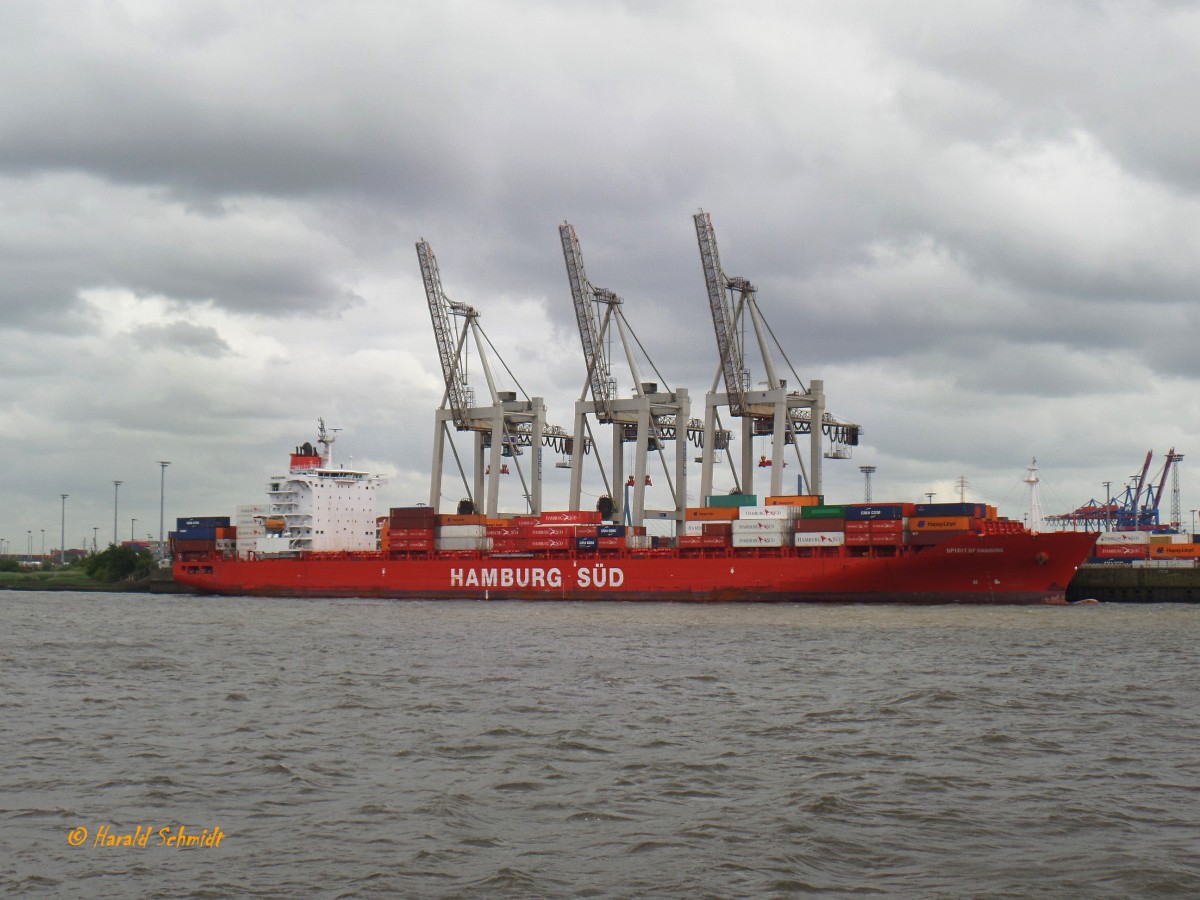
{"type": "Point", "coordinates": [440, 310]}
{"type": "Point", "coordinates": [716, 282]}
{"type": "Point", "coordinates": [585, 296]}
{"type": "Point", "coordinates": [1156, 496]}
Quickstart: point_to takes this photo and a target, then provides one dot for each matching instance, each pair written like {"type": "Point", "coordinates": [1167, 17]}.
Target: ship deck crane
{"type": "Point", "coordinates": [501, 427]}
{"type": "Point", "coordinates": [647, 418]}
{"type": "Point", "coordinates": [776, 411]}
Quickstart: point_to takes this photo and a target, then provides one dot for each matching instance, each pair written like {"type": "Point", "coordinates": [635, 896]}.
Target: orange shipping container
{"type": "Point", "coordinates": [795, 500]}
{"type": "Point", "coordinates": [1174, 551]}
{"type": "Point", "coordinates": [462, 520]}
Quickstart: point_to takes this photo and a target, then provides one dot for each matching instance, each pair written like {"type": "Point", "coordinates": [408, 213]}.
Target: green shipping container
{"type": "Point", "coordinates": [823, 512]}
{"type": "Point", "coordinates": [725, 501]}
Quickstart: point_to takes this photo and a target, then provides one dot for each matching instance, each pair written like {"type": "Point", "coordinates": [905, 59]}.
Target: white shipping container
{"type": "Point", "coordinates": [820, 539]}
{"type": "Point", "coordinates": [639, 541]}
{"type": "Point", "coordinates": [463, 543]}
{"type": "Point", "coordinates": [462, 531]}
{"type": "Point", "coordinates": [693, 529]}
{"type": "Point", "coordinates": [769, 512]}
{"type": "Point", "coordinates": [761, 539]}
{"type": "Point", "coordinates": [1123, 537]}
{"type": "Point", "coordinates": [762, 526]}
{"type": "Point", "coordinates": [251, 516]}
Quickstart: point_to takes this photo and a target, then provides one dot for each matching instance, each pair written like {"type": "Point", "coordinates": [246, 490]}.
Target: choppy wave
{"type": "Point", "coordinates": [357, 748]}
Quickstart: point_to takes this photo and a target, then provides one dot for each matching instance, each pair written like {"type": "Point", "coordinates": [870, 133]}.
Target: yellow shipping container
{"type": "Point", "coordinates": [939, 523]}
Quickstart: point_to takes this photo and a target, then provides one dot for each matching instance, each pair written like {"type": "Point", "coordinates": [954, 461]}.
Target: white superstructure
{"type": "Point", "coordinates": [318, 507]}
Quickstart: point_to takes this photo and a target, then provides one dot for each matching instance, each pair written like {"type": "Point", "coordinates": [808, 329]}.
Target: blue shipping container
{"type": "Point", "coordinates": [611, 531]}
{"type": "Point", "coordinates": [203, 522]}
{"type": "Point", "coordinates": [196, 534]}
{"type": "Point", "coordinates": [585, 543]}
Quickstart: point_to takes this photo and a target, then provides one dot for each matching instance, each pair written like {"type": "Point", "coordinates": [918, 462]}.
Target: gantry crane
{"type": "Point", "coordinates": [646, 419]}
{"type": "Point", "coordinates": [502, 427]}
{"type": "Point", "coordinates": [1136, 508]}
{"type": "Point", "coordinates": [776, 411]}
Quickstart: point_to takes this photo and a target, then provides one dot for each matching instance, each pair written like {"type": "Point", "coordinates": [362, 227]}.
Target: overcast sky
{"type": "Point", "coordinates": [977, 222]}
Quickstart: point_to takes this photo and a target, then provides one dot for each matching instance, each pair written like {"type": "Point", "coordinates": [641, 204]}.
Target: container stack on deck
{"type": "Point", "coordinates": [199, 536]}
{"type": "Point", "coordinates": [732, 522]}
{"type": "Point", "coordinates": [816, 528]}
{"type": "Point", "coordinates": [420, 529]}
{"type": "Point", "coordinates": [725, 522]}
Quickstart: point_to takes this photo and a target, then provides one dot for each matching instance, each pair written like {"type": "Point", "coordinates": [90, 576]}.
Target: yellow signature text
{"type": "Point", "coordinates": [177, 836]}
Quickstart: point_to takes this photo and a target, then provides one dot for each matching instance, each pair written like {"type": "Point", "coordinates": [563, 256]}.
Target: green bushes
{"type": "Point", "coordinates": [119, 562]}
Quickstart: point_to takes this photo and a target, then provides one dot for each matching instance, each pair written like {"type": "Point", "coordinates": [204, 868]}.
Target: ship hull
{"type": "Point", "coordinates": [976, 569]}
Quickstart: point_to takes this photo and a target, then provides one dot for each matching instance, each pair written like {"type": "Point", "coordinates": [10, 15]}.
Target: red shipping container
{"type": "Point", "coordinates": [185, 545]}
{"type": "Point", "coordinates": [509, 545]}
{"type": "Point", "coordinates": [886, 526]}
{"type": "Point", "coordinates": [549, 543]}
{"type": "Point", "coordinates": [571, 517]}
{"type": "Point", "coordinates": [819, 525]}
{"type": "Point", "coordinates": [411, 532]}
{"type": "Point", "coordinates": [505, 531]}
{"type": "Point", "coordinates": [722, 529]}
{"type": "Point", "coordinates": [858, 538]}
{"type": "Point", "coordinates": [408, 544]}
{"type": "Point", "coordinates": [1122, 551]}
{"type": "Point", "coordinates": [856, 524]}
{"type": "Point", "coordinates": [610, 543]}
{"type": "Point", "coordinates": [551, 531]}
{"type": "Point", "coordinates": [702, 540]}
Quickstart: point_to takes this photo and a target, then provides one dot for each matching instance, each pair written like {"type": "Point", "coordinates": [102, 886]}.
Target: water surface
{"type": "Point", "coordinates": [466, 749]}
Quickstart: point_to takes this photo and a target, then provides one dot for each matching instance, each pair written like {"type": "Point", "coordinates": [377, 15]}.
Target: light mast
{"type": "Point", "coordinates": [1035, 501]}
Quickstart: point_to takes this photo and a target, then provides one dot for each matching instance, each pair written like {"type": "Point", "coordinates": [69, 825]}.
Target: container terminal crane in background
{"type": "Point", "coordinates": [501, 428]}
{"type": "Point", "coordinates": [1136, 508]}
{"type": "Point", "coordinates": [776, 411]}
{"type": "Point", "coordinates": [647, 419]}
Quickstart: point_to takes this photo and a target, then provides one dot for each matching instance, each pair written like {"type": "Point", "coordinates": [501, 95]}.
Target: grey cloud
{"type": "Point", "coordinates": [183, 336]}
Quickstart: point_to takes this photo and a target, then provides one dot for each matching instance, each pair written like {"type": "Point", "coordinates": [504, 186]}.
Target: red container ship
{"type": "Point", "coordinates": [792, 549]}
{"type": "Point", "coordinates": [317, 536]}
{"type": "Point", "coordinates": [990, 569]}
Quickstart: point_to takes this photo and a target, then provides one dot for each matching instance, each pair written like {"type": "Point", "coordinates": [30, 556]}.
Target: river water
{"type": "Point", "coordinates": [356, 748]}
